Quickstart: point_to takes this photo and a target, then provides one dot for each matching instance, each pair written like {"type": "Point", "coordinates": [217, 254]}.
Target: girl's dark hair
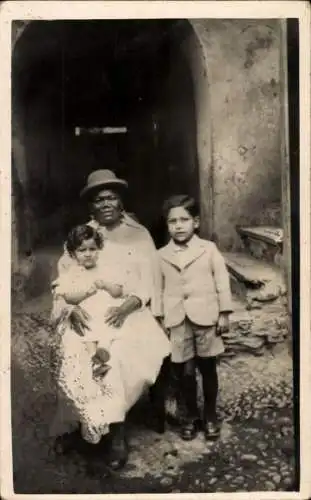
{"type": "Point", "coordinates": [81, 233]}
{"type": "Point", "coordinates": [181, 200]}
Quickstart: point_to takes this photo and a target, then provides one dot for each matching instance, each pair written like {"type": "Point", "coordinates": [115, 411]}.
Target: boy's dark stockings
{"type": "Point", "coordinates": [185, 377]}
{"type": "Point", "coordinates": [187, 385]}
{"type": "Point", "coordinates": [208, 370]}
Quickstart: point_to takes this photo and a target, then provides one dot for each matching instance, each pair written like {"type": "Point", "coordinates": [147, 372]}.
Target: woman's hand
{"type": "Point", "coordinates": [223, 323]}
{"type": "Point", "coordinates": [79, 320]}
{"type": "Point", "coordinates": [117, 315]}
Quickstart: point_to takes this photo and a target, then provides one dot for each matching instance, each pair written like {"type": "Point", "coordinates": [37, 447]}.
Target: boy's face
{"type": "Point", "coordinates": [87, 254]}
{"type": "Point", "coordinates": [181, 224]}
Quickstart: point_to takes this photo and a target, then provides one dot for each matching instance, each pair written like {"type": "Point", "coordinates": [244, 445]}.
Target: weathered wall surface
{"type": "Point", "coordinates": [239, 120]}
{"type": "Point", "coordinates": [235, 73]}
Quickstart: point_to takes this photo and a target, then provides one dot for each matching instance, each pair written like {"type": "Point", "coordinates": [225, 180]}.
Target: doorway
{"type": "Point", "coordinates": [129, 75]}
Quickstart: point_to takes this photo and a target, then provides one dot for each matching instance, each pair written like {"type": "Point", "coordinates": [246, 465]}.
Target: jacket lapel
{"type": "Point", "coordinates": [196, 249]}
{"type": "Point", "coordinates": [168, 253]}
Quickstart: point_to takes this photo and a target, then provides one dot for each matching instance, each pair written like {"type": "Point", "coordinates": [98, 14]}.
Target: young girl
{"type": "Point", "coordinates": [196, 304]}
{"type": "Point", "coordinates": [83, 284]}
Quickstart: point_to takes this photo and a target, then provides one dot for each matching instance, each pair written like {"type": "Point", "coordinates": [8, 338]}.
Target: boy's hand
{"type": "Point", "coordinates": [223, 323]}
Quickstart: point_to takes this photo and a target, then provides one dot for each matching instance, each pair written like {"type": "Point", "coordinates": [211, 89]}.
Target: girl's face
{"type": "Point", "coordinates": [181, 225]}
{"type": "Point", "coordinates": [87, 254]}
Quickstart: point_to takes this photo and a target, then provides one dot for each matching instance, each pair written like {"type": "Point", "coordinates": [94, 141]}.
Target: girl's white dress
{"type": "Point", "coordinates": [137, 349]}
{"type": "Point", "coordinates": [79, 279]}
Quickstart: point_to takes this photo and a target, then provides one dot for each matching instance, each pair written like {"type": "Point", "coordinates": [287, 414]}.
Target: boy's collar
{"type": "Point", "coordinates": [190, 244]}
{"type": "Point", "coordinates": [195, 249]}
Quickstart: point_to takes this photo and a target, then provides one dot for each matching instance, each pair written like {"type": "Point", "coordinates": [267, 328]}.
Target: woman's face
{"type": "Point", "coordinates": [107, 207]}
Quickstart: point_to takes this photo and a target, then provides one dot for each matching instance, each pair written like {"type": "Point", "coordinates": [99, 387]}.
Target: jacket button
{"type": "Point", "coordinates": [186, 295]}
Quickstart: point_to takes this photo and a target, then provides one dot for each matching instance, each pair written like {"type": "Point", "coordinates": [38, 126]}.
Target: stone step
{"type": "Point", "coordinates": [254, 331]}
{"type": "Point", "coordinates": [253, 281]}
{"type": "Point", "coordinates": [263, 242]}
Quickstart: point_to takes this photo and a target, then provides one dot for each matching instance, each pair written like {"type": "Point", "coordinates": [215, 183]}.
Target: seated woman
{"type": "Point", "coordinates": [137, 349]}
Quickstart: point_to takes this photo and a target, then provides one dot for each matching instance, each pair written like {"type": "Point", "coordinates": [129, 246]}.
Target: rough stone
{"type": "Point", "coordinates": [269, 486]}
{"type": "Point", "coordinates": [249, 457]}
{"type": "Point", "coordinates": [166, 481]}
{"type": "Point", "coordinates": [276, 479]}
{"type": "Point", "coordinates": [262, 446]}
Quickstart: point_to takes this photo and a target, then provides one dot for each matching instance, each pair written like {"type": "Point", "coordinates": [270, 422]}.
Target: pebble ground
{"type": "Point", "coordinates": [255, 452]}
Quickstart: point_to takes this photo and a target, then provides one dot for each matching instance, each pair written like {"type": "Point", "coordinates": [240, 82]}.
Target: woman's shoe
{"type": "Point", "coordinates": [211, 430]}
{"type": "Point", "coordinates": [67, 442]}
{"type": "Point", "coordinates": [157, 400]}
{"type": "Point", "coordinates": [189, 430]}
{"type": "Point", "coordinates": [118, 455]}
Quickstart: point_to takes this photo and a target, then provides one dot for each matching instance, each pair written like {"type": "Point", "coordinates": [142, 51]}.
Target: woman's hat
{"type": "Point", "coordinates": [102, 178]}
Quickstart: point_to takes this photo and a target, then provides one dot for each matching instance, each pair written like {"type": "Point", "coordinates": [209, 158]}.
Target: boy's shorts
{"type": "Point", "coordinates": [189, 340]}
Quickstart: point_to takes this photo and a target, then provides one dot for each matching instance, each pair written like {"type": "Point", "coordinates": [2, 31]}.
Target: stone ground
{"type": "Point", "coordinates": [255, 452]}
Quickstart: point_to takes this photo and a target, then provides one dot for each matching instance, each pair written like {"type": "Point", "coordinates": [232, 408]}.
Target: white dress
{"type": "Point", "coordinates": [79, 279]}
{"type": "Point", "coordinates": [137, 352]}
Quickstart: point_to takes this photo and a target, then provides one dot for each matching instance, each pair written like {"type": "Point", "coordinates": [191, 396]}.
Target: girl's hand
{"type": "Point", "coordinates": [75, 297]}
{"type": "Point", "coordinates": [79, 320]}
{"type": "Point", "coordinates": [223, 323]}
{"type": "Point", "coordinates": [100, 284]}
{"type": "Point", "coordinates": [114, 290]}
{"type": "Point", "coordinates": [115, 316]}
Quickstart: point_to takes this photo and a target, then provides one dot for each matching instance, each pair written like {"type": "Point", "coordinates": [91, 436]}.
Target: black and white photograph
{"type": "Point", "coordinates": [156, 158]}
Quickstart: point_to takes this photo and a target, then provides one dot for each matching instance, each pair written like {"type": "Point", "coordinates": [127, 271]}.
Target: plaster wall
{"type": "Point", "coordinates": [238, 119]}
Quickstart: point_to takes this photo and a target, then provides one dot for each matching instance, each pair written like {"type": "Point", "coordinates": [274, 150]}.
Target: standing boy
{"type": "Point", "coordinates": [196, 307]}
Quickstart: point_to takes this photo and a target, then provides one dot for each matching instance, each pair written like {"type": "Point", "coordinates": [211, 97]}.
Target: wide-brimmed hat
{"type": "Point", "coordinates": [102, 178]}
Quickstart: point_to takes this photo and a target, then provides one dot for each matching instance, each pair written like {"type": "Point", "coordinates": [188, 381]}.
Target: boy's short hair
{"type": "Point", "coordinates": [181, 200]}
{"type": "Point", "coordinates": [79, 234]}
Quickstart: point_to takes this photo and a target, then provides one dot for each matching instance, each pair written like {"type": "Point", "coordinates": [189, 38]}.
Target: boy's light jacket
{"type": "Point", "coordinates": [200, 289]}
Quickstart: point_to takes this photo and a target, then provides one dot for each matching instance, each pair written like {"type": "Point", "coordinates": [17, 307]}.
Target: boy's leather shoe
{"type": "Point", "coordinates": [67, 442]}
{"type": "Point", "coordinates": [211, 430]}
{"type": "Point", "coordinates": [189, 430]}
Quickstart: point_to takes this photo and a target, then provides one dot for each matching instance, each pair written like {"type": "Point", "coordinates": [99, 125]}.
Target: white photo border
{"type": "Point", "coordinates": [47, 10]}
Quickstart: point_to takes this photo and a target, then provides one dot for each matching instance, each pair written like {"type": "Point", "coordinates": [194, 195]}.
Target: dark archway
{"type": "Point", "coordinates": [132, 74]}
